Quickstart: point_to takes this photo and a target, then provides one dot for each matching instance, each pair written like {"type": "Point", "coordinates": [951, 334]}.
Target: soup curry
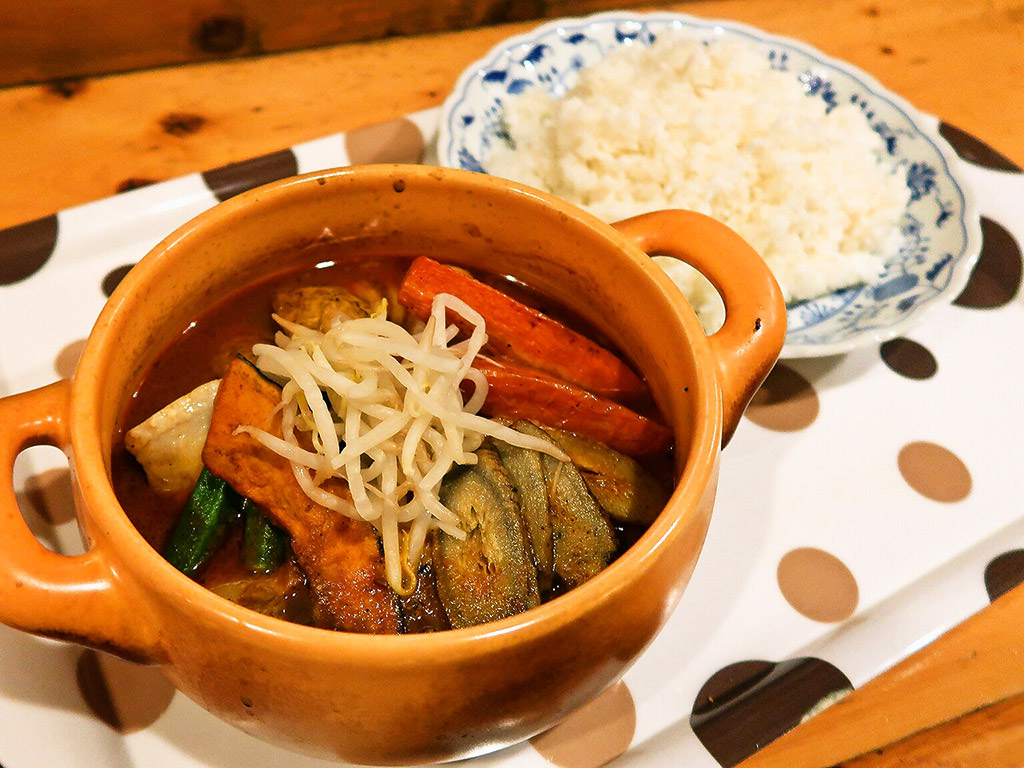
{"type": "Point", "coordinates": [391, 446]}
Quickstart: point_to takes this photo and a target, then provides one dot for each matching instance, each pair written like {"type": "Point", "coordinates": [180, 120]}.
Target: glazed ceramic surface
{"type": "Point", "coordinates": [941, 238]}
{"type": "Point", "coordinates": [372, 699]}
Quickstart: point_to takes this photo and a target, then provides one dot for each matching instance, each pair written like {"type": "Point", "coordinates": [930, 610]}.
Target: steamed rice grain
{"type": "Point", "coordinates": [711, 128]}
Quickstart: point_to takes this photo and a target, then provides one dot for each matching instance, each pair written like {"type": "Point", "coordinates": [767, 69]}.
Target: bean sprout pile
{"type": "Point", "coordinates": [369, 402]}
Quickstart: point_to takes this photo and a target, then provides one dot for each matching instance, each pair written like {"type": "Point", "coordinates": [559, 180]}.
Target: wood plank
{"type": "Point", "coordinates": [976, 665]}
{"type": "Point", "coordinates": [51, 39]}
{"type": "Point", "coordinates": [81, 141]}
{"type": "Point", "coordinates": [992, 737]}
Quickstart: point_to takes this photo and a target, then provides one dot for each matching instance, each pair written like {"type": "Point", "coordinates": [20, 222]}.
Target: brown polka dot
{"type": "Point", "coordinates": [93, 687]}
{"type": "Point", "coordinates": [934, 472]}
{"type": "Point", "coordinates": [181, 123]}
{"type": "Point", "coordinates": [786, 401]}
{"type": "Point", "coordinates": [230, 180]}
{"type": "Point", "coordinates": [817, 584]}
{"type": "Point", "coordinates": [396, 141]}
{"type": "Point", "coordinates": [25, 248]}
{"type": "Point", "coordinates": [976, 151]}
{"type": "Point", "coordinates": [51, 496]}
{"type": "Point", "coordinates": [140, 693]}
{"type": "Point", "coordinates": [127, 697]}
{"type": "Point", "coordinates": [908, 358]}
{"type": "Point", "coordinates": [1003, 573]}
{"type": "Point", "coordinates": [67, 359]}
{"type": "Point", "coordinates": [997, 275]}
{"type": "Point", "coordinates": [748, 704]}
{"type": "Point", "coordinates": [113, 279]}
{"type": "Point", "coordinates": [593, 735]}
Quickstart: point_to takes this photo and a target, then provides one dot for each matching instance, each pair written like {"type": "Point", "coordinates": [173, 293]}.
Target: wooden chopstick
{"type": "Point", "coordinates": [975, 664]}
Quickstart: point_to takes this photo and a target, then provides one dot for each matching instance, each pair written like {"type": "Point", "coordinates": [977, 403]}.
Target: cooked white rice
{"type": "Point", "coordinates": [712, 128]}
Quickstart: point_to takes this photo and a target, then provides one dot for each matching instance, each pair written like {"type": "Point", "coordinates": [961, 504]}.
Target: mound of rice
{"type": "Point", "coordinates": [712, 128]}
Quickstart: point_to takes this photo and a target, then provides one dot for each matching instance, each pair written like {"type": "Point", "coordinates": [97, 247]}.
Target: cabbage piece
{"type": "Point", "coordinates": [169, 444]}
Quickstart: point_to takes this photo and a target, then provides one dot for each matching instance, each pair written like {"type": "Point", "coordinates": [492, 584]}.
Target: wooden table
{"type": "Point", "coordinates": [68, 143]}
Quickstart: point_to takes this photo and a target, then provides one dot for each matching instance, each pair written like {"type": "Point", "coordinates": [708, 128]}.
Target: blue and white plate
{"type": "Point", "coordinates": [941, 231]}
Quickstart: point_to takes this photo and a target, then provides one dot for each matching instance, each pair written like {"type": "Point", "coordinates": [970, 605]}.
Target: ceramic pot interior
{"type": "Point", "coordinates": [450, 216]}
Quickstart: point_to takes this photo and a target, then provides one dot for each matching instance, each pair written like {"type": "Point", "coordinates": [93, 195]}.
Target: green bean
{"type": "Point", "coordinates": [263, 543]}
{"type": "Point", "coordinates": [200, 529]}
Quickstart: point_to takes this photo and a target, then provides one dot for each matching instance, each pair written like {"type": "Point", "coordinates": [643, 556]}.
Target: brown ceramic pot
{"type": "Point", "coordinates": [402, 699]}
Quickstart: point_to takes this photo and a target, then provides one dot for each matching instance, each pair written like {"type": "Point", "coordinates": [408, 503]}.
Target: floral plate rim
{"type": "Point", "coordinates": [952, 270]}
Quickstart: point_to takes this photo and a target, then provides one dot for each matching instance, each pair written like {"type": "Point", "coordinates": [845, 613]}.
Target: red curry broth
{"type": "Point", "coordinates": [202, 352]}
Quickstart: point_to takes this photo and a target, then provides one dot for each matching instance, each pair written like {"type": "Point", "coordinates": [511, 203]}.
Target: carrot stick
{"type": "Point", "coordinates": [522, 333]}
{"type": "Point", "coordinates": [519, 393]}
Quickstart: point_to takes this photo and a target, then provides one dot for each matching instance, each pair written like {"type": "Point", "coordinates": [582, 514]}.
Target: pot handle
{"type": "Point", "coordinates": [77, 598]}
{"type": "Point", "coordinates": [749, 342]}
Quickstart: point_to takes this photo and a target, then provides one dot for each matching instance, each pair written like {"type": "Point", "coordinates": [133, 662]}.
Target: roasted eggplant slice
{"type": "Point", "coordinates": [490, 574]}
{"type": "Point", "coordinates": [583, 541]}
{"type": "Point", "coordinates": [619, 483]}
{"type": "Point", "coordinates": [527, 475]}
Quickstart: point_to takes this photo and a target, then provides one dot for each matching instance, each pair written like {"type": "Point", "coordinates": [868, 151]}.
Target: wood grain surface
{"type": "Point", "coordinates": [49, 39]}
{"type": "Point", "coordinates": [70, 142]}
{"type": "Point", "coordinates": [992, 737]}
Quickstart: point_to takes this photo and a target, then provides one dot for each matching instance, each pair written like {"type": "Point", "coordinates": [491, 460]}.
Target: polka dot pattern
{"type": "Point", "coordinates": [817, 584]}
{"type": "Point", "coordinates": [786, 401]}
{"type": "Point", "coordinates": [93, 687]}
{"type": "Point", "coordinates": [974, 150]}
{"type": "Point", "coordinates": [49, 494]}
{"type": "Point", "coordinates": [748, 704]}
{"type": "Point", "coordinates": [113, 278]}
{"type": "Point", "coordinates": [1004, 573]}
{"type": "Point", "coordinates": [67, 359]}
{"type": "Point", "coordinates": [934, 471]}
{"type": "Point", "coordinates": [996, 278]}
{"type": "Point", "coordinates": [127, 697]}
{"type": "Point", "coordinates": [397, 141]}
{"type": "Point", "coordinates": [25, 248]}
{"type": "Point", "coordinates": [593, 735]}
{"type": "Point", "coordinates": [231, 180]}
{"type": "Point", "coordinates": [909, 358]}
